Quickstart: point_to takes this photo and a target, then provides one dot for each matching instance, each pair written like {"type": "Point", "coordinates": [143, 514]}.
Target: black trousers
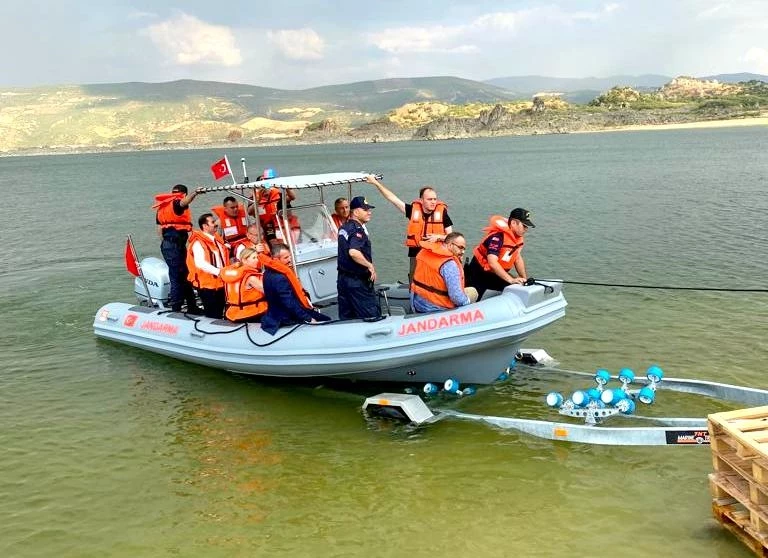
{"type": "Point", "coordinates": [174, 250]}
{"type": "Point", "coordinates": [213, 302]}
{"type": "Point", "coordinates": [475, 276]}
{"type": "Point", "coordinates": [357, 298]}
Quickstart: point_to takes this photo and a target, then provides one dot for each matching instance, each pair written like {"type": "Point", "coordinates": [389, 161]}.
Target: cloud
{"type": "Point", "coordinates": [421, 39]}
{"type": "Point", "coordinates": [298, 44]}
{"type": "Point", "coordinates": [465, 37]}
{"type": "Point", "coordinates": [187, 41]}
{"type": "Point", "coordinates": [758, 58]}
{"type": "Point", "coordinates": [136, 14]}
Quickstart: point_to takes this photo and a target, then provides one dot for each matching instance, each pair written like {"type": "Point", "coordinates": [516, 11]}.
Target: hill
{"type": "Point", "coordinates": [583, 90]}
{"type": "Point", "coordinates": [188, 113]}
{"type": "Point", "coordinates": [140, 115]}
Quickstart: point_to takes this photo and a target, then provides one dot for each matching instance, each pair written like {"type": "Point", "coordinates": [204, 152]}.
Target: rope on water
{"type": "Point", "coordinates": [667, 287]}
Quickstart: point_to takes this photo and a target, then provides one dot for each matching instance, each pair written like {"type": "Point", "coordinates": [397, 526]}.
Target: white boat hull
{"type": "Point", "coordinates": [473, 344]}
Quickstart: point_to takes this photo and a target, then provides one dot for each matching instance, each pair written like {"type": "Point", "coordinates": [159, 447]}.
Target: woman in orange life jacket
{"type": "Point", "coordinates": [174, 222]}
{"type": "Point", "coordinates": [206, 256]}
{"type": "Point", "coordinates": [232, 220]}
{"type": "Point", "coordinates": [499, 252]}
{"type": "Point", "coordinates": [427, 216]}
{"type": "Point", "coordinates": [438, 280]}
{"type": "Point", "coordinates": [244, 288]}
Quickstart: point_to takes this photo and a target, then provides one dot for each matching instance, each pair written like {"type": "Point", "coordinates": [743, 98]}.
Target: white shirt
{"type": "Point", "coordinates": [199, 252]}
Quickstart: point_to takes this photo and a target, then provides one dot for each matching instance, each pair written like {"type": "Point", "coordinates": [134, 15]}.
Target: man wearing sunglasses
{"type": "Point", "coordinates": [438, 279]}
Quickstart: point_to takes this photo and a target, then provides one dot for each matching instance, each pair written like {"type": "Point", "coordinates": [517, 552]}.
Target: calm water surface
{"type": "Point", "coordinates": [110, 451]}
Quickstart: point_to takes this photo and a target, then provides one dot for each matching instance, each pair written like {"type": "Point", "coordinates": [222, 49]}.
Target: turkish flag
{"type": "Point", "coordinates": [220, 169]}
{"type": "Point", "coordinates": [130, 260]}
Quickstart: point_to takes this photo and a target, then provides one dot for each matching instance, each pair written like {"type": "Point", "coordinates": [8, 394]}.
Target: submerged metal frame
{"type": "Point", "coordinates": [672, 431]}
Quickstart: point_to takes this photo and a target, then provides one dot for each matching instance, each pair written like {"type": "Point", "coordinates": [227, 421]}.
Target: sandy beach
{"type": "Point", "coordinates": [727, 123]}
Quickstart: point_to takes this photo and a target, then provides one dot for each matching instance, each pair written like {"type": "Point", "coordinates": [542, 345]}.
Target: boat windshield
{"type": "Point", "coordinates": [309, 231]}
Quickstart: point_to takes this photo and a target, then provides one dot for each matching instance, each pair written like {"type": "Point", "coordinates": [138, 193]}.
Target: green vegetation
{"type": "Point", "coordinates": [192, 113]}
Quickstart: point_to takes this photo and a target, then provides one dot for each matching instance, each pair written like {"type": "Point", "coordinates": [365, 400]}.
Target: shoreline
{"type": "Point", "coordinates": [701, 124]}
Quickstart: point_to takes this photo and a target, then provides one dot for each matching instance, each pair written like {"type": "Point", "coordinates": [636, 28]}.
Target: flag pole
{"type": "Point", "coordinates": [232, 174]}
{"type": "Point", "coordinates": [141, 274]}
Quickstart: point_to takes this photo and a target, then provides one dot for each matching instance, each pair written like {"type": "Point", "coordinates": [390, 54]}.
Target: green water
{"type": "Point", "coordinates": [110, 451]}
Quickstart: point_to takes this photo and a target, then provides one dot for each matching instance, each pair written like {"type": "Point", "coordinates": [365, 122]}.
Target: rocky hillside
{"type": "Point", "coordinates": [192, 114]}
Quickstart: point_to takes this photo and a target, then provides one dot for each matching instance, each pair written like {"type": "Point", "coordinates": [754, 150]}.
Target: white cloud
{"type": "Point", "coordinates": [141, 15]}
{"type": "Point", "coordinates": [298, 44]}
{"type": "Point", "coordinates": [502, 21]}
{"type": "Point", "coordinates": [437, 38]}
{"type": "Point", "coordinates": [757, 58]}
{"type": "Point", "coordinates": [464, 38]}
{"type": "Point", "coordinates": [187, 40]}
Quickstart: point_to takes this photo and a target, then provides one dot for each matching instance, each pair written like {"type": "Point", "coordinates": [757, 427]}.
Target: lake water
{"type": "Point", "coordinates": [111, 451]}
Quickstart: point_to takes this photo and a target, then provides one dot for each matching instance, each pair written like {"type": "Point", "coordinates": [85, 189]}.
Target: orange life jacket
{"type": "Point", "coordinates": [511, 244]}
{"type": "Point", "coordinates": [243, 302]}
{"type": "Point", "coordinates": [167, 217]}
{"type": "Point", "coordinates": [202, 279]}
{"type": "Point", "coordinates": [293, 224]}
{"type": "Point", "coordinates": [245, 243]}
{"type": "Point", "coordinates": [280, 267]}
{"type": "Point", "coordinates": [418, 227]}
{"type": "Point", "coordinates": [338, 220]}
{"type": "Point", "coordinates": [427, 281]}
{"type": "Point", "coordinates": [232, 228]}
{"type": "Point", "coordinates": [268, 202]}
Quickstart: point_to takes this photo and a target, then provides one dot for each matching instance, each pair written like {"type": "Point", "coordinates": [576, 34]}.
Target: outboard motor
{"type": "Point", "coordinates": [155, 272]}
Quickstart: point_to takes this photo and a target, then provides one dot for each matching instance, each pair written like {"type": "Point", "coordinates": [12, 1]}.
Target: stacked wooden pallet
{"type": "Point", "coordinates": [739, 442]}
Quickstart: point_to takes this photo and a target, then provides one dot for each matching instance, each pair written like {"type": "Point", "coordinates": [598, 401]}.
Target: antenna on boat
{"type": "Point", "coordinates": [245, 171]}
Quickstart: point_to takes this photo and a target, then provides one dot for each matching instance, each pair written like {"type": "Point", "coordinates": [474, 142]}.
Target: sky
{"type": "Point", "coordinates": [296, 44]}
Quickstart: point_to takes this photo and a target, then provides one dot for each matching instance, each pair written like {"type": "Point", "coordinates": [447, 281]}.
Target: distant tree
{"type": "Point", "coordinates": [235, 135]}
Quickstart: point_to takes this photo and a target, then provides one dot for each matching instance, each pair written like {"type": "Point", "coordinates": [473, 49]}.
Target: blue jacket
{"type": "Point", "coordinates": [283, 308]}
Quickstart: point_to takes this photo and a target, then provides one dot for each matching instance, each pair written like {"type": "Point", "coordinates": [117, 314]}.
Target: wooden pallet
{"type": "Point", "coordinates": [736, 520]}
{"type": "Point", "coordinates": [739, 485]}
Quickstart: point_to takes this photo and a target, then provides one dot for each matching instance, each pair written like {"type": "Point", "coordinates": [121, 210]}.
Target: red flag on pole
{"type": "Point", "coordinates": [220, 169]}
{"type": "Point", "coordinates": [130, 259]}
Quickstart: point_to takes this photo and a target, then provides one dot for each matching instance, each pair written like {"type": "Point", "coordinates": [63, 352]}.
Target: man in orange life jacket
{"type": "Point", "coordinates": [438, 281]}
{"type": "Point", "coordinates": [206, 256]}
{"type": "Point", "coordinates": [340, 212]}
{"type": "Point", "coordinates": [287, 303]}
{"type": "Point", "coordinates": [427, 216]}
{"type": "Point", "coordinates": [499, 252]}
{"type": "Point", "coordinates": [252, 240]}
{"type": "Point", "coordinates": [232, 220]}
{"type": "Point", "coordinates": [174, 220]}
{"type": "Point", "coordinates": [270, 200]}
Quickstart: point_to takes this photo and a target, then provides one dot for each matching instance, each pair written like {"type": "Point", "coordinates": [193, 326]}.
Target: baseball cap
{"type": "Point", "coordinates": [267, 174]}
{"type": "Point", "coordinates": [522, 215]}
{"type": "Point", "coordinates": [360, 202]}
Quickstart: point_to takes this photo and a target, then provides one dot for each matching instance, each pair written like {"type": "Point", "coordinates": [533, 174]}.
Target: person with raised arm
{"type": "Point", "coordinates": [427, 216]}
{"type": "Point", "coordinates": [174, 222]}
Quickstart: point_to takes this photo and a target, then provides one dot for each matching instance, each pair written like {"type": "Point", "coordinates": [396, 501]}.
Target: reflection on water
{"type": "Point", "coordinates": [111, 451]}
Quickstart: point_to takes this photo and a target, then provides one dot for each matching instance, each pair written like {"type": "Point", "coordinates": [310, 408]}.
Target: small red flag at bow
{"type": "Point", "coordinates": [130, 259]}
{"type": "Point", "coordinates": [220, 169]}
